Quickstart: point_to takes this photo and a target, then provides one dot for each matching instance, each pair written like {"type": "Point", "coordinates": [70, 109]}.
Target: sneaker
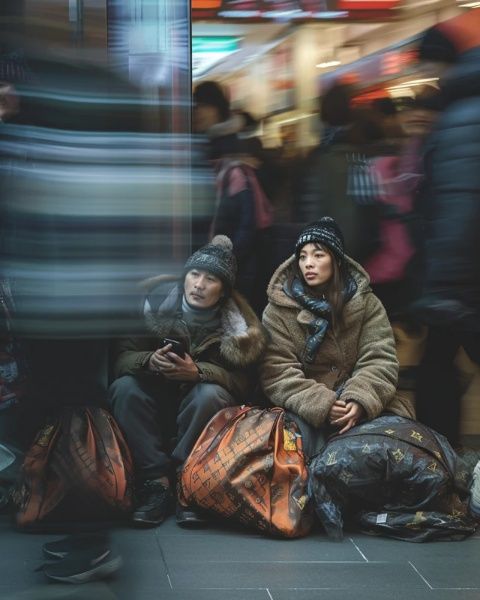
{"type": "Point", "coordinates": [475, 492]}
{"type": "Point", "coordinates": [74, 543]}
{"type": "Point", "coordinates": [188, 517]}
{"type": "Point", "coordinates": [84, 566]}
{"type": "Point", "coordinates": [154, 503]}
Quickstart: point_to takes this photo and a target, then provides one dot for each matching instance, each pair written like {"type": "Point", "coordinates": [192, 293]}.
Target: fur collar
{"type": "Point", "coordinates": [242, 338]}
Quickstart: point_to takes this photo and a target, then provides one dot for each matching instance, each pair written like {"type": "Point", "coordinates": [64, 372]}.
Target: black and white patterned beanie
{"type": "Point", "coordinates": [217, 258]}
{"type": "Point", "coordinates": [325, 231]}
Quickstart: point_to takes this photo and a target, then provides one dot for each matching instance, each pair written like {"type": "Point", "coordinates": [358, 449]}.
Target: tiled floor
{"type": "Point", "coordinates": [216, 563]}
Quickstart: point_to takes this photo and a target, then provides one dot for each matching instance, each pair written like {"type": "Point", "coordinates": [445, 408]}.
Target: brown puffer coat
{"type": "Point", "coordinates": [360, 355]}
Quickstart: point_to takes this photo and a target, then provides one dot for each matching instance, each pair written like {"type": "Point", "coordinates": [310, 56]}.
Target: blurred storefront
{"type": "Point", "coordinates": [316, 42]}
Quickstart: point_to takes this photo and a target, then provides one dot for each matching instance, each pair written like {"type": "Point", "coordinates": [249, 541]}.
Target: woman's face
{"type": "Point", "coordinates": [316, 264]}
{"type": "Point", "coordinates": [204, 117]}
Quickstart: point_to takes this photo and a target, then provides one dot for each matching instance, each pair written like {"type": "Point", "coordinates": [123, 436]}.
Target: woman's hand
{"type": "Point", "coordinates": [339, 409]}
{"type": "Point", "coordinates": [353, 414]}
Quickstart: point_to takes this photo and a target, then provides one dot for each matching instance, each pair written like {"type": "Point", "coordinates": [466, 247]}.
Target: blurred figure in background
{"type": "Point", "coordinates": [242, 212]}
{"type": "Point", "coordinates": [390, 119]}
{"type": "Point", "coordinates": [394, 266]}
{"type": "Point", "coordinates": [329, 183]}
{"type": "Point", "coordinates": [450, 299]}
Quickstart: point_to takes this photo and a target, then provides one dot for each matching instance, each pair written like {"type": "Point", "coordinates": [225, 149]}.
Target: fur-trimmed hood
{"type": "Point", "coordinates": [276, 287]}
{"type": "Point", "coordinates": [241, 337]}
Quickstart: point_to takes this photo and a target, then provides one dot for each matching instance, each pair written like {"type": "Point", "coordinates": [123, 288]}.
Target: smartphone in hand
{"type": "Point", "coordinates": [177, 347]}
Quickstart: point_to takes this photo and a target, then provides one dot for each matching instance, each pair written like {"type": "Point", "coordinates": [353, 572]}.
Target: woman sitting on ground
{"type": "Point", "coordinates": [331, 361]}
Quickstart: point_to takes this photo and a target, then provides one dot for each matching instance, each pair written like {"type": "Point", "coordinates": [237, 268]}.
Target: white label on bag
{"type": "Point", "coordinates": [382, 518]}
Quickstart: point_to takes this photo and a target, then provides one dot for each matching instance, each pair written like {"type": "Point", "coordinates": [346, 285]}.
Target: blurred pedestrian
{"type": "Point", "coordinates": [450, 298]}
{"type": "Point", "coordinates": [336, 177]}
{"type": "Point", "coordinates": [243, 211]}
{"type": "Point", "coordinates": [390, 120]}
{"type": "Point", "coordinates": [392, 267]}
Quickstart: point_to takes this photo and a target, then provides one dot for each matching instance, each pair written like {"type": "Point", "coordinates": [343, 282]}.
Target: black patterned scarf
{"type": "Point", "coordinates": [322, 310]}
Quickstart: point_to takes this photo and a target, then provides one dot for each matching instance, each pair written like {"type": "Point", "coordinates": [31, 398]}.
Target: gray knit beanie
{"type": "Point", "coordinates": [325, 231]}
{"type": "Point", "coordinates": [217, 258]}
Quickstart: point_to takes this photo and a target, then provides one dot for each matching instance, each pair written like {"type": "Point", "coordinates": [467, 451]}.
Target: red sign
{"type": "Point", "coordinates": [367, 4]}
{"type": "Point", "coordinates": [271, 9]}
{"type": "Point", "coordinates": [202, 4]}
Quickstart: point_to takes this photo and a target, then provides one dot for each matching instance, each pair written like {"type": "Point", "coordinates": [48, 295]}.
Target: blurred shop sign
{"type": "Point", "coordinates": [208, 50]}
{"type": "Point", "coordinates": [204, 9]}
{"type": "Point", "coordinates": [215, 44]}
{"type": "Point", "coordinates": [281, 78]}
{"type": "Point", "coordinates": [201, 4]}
{"type": "Point", "coordinates": [367, 4]}
{"type": "Point", "coordinates": [302, 10]}
{"type": "Point", "coordinates": [385, 65]}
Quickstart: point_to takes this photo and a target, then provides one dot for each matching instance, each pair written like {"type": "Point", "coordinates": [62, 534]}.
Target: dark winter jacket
{"type": "Point", "coordinates": [226, 356]}
{"type": "Point", "coordinates": [451, 202]}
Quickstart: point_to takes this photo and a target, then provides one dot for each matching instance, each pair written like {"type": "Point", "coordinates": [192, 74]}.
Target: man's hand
{"type": "Point", "coordinates": [353, 414]}
{"type": "Point", "coordinates": [171, 366]}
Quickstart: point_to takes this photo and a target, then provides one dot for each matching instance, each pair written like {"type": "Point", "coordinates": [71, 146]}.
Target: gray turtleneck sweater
{"type": "Point", "coordinates": [201, 322]}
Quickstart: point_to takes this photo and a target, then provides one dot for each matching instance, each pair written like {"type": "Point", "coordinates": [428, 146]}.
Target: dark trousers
{"type": "Point", "coordinates": [155, 416]}
{"type": "Point", "coordinates": [438, 390]}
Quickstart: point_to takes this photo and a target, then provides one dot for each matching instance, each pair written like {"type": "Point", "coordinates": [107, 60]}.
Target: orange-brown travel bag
{"type": "Point", "coordinates": [248, 465]}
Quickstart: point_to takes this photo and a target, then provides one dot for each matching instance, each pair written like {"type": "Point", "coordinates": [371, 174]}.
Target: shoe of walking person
{"type": "Point", "coordinates": [154, 503]}
{"type": "Point", "coordinates": [75, 543]}
{"type": "Point", "coordinates": [189, 517]}
{"type": "Point", "coordinates": [85, 565]}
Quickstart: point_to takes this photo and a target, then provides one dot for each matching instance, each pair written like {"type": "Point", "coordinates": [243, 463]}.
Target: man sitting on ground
{"type": "Point", "coordinates": [201, 343]}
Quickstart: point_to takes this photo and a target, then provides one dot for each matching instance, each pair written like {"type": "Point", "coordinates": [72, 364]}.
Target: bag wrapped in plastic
{"type": "Point", "coordinates": [391, 476]}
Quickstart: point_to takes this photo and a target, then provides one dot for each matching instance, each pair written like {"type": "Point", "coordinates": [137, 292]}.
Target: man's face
{"type": "Point", "coordinates": [202, 288]}
{"type": "Point", "coordinates": [417, 121]}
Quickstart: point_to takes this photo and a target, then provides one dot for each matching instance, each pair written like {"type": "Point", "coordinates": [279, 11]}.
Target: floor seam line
{"type": "Point", "coordinates": [164, 562]}
{"type": "Point", "coordinates": [359, 551]}
{"type": "Point", "coordinates": [419, 574]}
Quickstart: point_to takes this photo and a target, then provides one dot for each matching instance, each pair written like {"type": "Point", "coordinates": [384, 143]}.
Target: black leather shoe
{"type": "Point", "coordinates": [154, 503]}
{"type": "Point", "coordinates": [186, 516]}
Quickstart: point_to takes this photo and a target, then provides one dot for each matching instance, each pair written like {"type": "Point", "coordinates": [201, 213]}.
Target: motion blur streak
{"type": "Point", "coordinates": [87, 215]}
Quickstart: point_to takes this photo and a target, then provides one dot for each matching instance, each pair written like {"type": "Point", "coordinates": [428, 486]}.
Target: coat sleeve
{"type": "Point", "coordinates": [132, 356]}
{"type": "Point", "coordinates": [235, 381]}
{"type": "Point", "coordinates": [283, 379]}
{"type": "Point", "coordinates": [374, 379]}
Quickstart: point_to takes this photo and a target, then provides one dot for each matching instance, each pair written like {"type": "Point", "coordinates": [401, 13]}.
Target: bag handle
{"type": "Point", "coordinates": [244, 410]}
